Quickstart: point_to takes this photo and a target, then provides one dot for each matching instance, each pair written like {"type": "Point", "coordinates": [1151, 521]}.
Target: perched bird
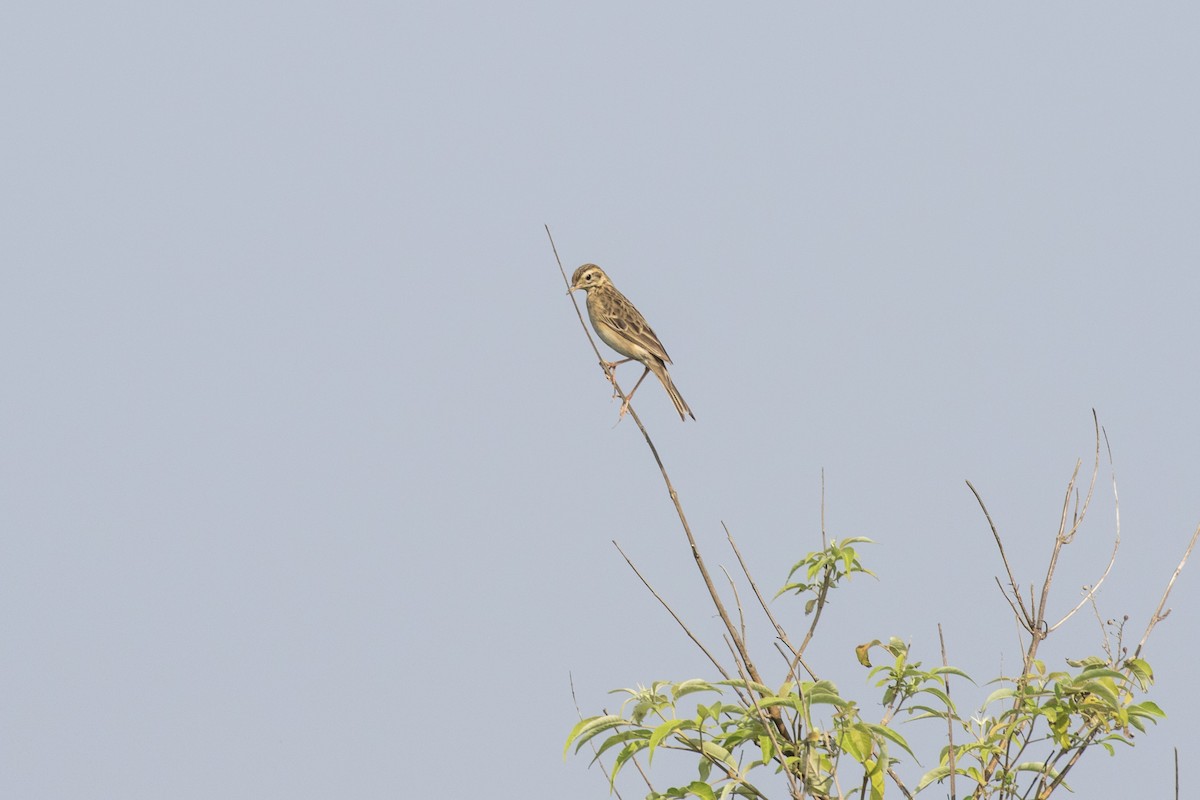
{"type": "Point", "coordinates": [624, 329]}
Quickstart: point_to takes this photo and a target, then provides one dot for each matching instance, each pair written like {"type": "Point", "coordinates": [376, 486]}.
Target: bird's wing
{"type": "Point", "coordinates": [621, 316]}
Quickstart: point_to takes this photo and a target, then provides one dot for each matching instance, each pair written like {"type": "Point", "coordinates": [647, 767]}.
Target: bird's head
{"type": "Point", "coordinates": [587, 277]}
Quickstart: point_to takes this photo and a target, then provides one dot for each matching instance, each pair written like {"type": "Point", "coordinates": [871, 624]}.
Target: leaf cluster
{"type": "Point", "coordinates": [808, 732]}
{"type": "Point", "coordinates": [732, 740]}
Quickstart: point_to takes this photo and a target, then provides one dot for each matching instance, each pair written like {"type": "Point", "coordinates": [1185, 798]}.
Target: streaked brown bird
{"type": "Point", "coordinates": [624, 329]}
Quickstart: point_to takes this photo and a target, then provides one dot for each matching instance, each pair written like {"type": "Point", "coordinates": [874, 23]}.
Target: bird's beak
{"type": "Point", "coordinates": [573, 288]}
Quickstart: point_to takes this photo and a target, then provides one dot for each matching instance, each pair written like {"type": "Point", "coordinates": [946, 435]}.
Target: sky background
{"type": "Point", "coordinates": [310, 479]}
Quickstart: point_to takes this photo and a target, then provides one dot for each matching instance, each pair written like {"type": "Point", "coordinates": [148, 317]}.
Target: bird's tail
{"type": "Point", "coordinates": [660, 371]}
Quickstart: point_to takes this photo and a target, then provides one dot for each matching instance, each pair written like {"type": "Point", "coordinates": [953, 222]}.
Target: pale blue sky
{"type": "Point", "coordinates": [309, 476]}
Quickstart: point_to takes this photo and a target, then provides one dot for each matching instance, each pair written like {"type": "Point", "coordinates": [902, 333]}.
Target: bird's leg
{"type": "Point", "coordinates": [609, 368]}
{"type": "Point", "coordinates": [628, 397]}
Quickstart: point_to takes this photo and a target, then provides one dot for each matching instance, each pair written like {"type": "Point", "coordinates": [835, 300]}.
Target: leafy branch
{"type": "Point", "coordinates": [1023, 741]}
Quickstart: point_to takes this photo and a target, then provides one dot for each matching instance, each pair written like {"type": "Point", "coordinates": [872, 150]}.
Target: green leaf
{"type": "Point", "coordinates": [940, 671]}
{"type": "Point", "coordinates": [999, 694]}
{"type": "Point", "coordinates": [858, 742]}
{"type": "Point", "coordinates": [1141, 672]}
{"type": "Point", "coordinates": [1147, 709]}
{"type": "Point", "coordinates": [1041, 768]}
{"type": "Point", "coordinates": [619, 738]}
{"type": "Point", "coordinates": [939, 694]}
{"type": "Point", "coordinates": [1096, 672]}
{"type": "Point", "coordinates": [791, 701]}
{"type": "Point", "coordinates": [876, 784]}
{"type": "Point", "coordinates": [795, 588]}
{"type": "Point", "coordinates": [692, 686]}
{"type": "Point", "coordinates": [827, 698]}
{"type": "Point", "coordinates": [740, 684]}
{"type": "Point", "coordinates": [1104, 692]}
{"type": "Point", "coordinates": [587, 728]}
{"type": "Point", "coordinates": [701, 789]}
{"type": "Point", "coordinates": [1090, 661]}
{"type": "Point", "coordinates": [799, 565]}
{"type": "Point", "coordinates": [935, 774]}
{"type": "Point", "coordinates": [926, 713]}
{"type": "Point", "coordinates": [717, 752]}
{"type": "Point", "coordinates": [662, 732]}
{"type": "Point", "coordinates": [767, 747]}
{"type": "Point", "coordinates": [862, 652]}
{"type": "Point", "coordinates": [888, 733]}
{"type": "Point", "coordinates": [629, 751]}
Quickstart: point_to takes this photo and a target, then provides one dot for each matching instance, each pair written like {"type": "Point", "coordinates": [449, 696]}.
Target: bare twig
{"type": "Point", "coordinates": [1060, 539]}
{"type": "Point", "coordinates": [1105, 643]}
{"type": "Point", "coordinates": [899, 783]}
{"type": "Point", "coordinates": [737, 602]}
{"type": "Point", "coordinates": [1066, 536]}
{"type": "Point", "coordinates": [1082, 747]}
{"type": "Point", "coordinates": [1159, 615]}
{"type": "Point", "coordinates": [1025, 616]}
{"type": "Point", "coordinates": [826, 579]}
{"type": "Point", "coordinates": [671, 611]}
{"type": "Point", "coordinates": [1004, 594]}
{"type": "Point", "coordinates": [824, 542]}
{"type": "Point", "coordinates": [779, 630]}
{"type": "Point", "coordinates": [1112, 559]}
{"type": "Point", "coordinates": [788, 659]}
{"type": "Point", "coordinates": [949, 714]}
{"type": "Point", "coordinates": [641, 771]}
{"type": "Point", "coordinates": [750, 578]}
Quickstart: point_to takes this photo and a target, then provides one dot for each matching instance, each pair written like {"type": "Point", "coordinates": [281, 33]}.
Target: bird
{"type": "Point", "coordinates": [624, 329]}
